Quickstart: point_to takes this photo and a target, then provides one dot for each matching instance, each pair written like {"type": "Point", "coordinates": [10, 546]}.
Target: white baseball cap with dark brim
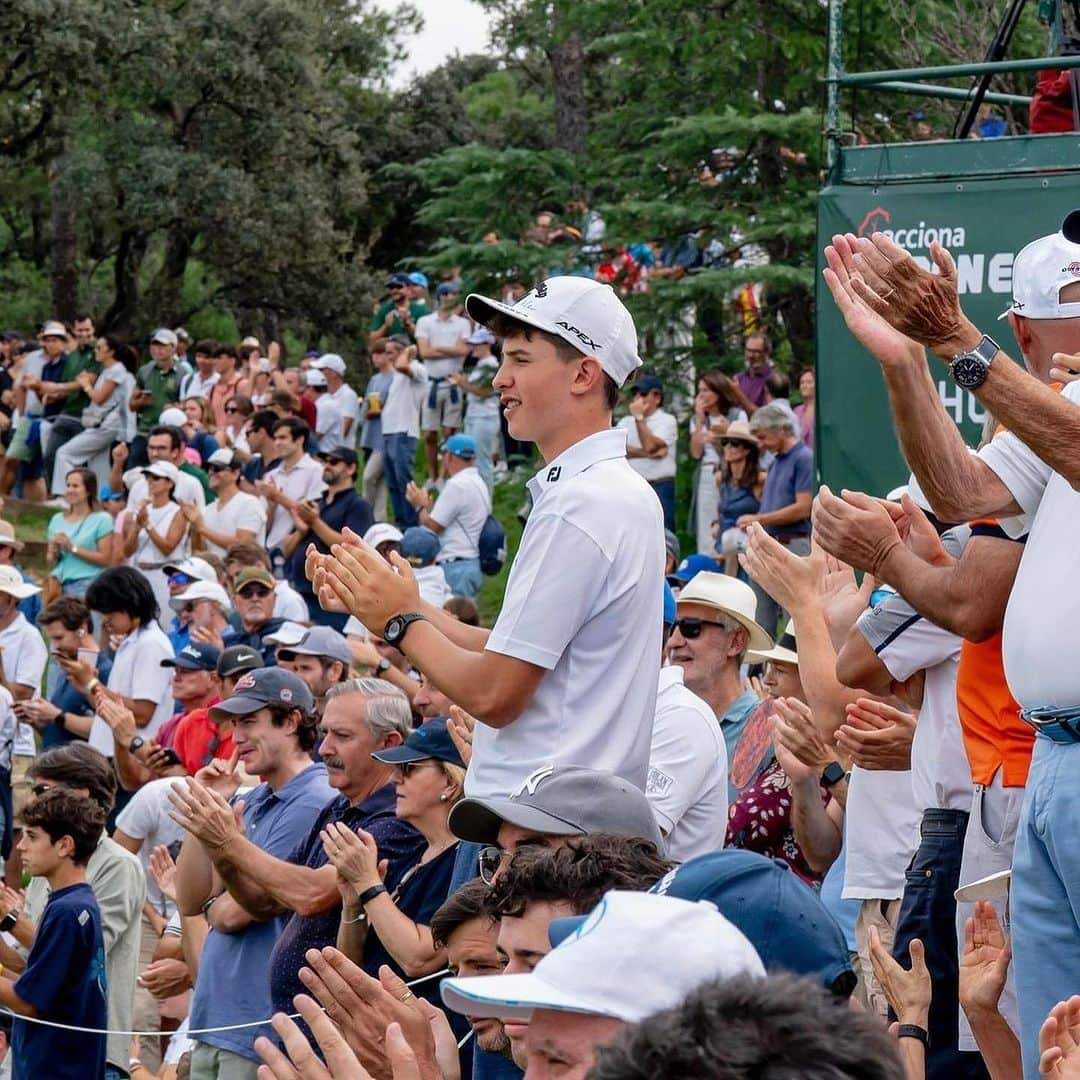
{"type": "Point", "coordinates": [381, 532]}
{"type": "Point", "coordinates": [1042, 269]}
{"type": "Point", "coordinates": [731, 597]}
{"type": "Point", "coordinates": [635, 954]}
{"type": "Point", "coordinates": [585, 313]}
{"type": "Point", "coordinates": [11, 582]}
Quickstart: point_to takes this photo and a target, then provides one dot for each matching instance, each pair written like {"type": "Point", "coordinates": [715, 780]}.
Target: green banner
{"type": "Point", "coordinates": [983, 223]}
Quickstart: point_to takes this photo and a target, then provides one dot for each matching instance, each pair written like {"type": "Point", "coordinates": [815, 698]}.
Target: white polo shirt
{"type": "Point", "coordinates": [24, 658]}
{"type": "Point", "coordinates": [302, 483]}
{"type": "Point", "coordinates": [583, 601]}
{"type": "Point", "coordinates": [1040, 663]}
{"type": "Point", "coordinates": [401, 411]}
{"type": "Point", "coordinates": [688, 770]}
{"type": "Point", "coordinates": [443, 334]}
{"type": "Point", "coordinates": [349, 403]}
{"type": "Point", "coordinates": [664, 426]}
{"type": "Point", "coordinates": [137, 673]}
{"type": "Point", "coordinates": [194, 385]}
{"type": "Point", "coordinates": [907, 643]}
{"type": "Point", "coordinates": [329, 423]}
{"type": "Point", "coordinates": [461, 509]}
{"type": "Point", "coordinates": [242, 511]}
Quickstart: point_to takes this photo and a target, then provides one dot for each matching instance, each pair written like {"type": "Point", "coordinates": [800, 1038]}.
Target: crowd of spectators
{"type": "Point", "coordinates": [274, 799]}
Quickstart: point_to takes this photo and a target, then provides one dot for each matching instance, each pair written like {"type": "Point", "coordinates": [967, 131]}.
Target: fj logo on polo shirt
{"type": "Point", "coordinates": [554, 473]}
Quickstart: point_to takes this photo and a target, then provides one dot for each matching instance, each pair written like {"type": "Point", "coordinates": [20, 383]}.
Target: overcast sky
{"type": "Point", "coordinates": [449, 26]}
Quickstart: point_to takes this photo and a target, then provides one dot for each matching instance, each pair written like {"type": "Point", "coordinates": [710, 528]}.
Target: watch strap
{"type": "Point", "coordinates": [913, 1031]}
{"type": "Point", "coordinates": [986, 350]}
{"type": "Point", "coordinates": [405, 622]}
{"type": "Point", "coordinates": [136, 743]}
{"type": "Point", "coordinates": [8, 921]}
{"type": "Point", "coordinates": [369, 894]}
{"type": "Point", "coordinates": [832, 774]}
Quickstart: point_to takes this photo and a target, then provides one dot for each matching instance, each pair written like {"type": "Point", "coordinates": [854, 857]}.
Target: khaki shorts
{"type": "Point", "coordinates": [446, 413]}
{"type": "Point", "coordinates": [20, 783]}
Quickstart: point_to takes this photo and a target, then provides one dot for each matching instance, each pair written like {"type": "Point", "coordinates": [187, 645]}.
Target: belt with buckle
{"type": "Point", "coordinates": [1058, 725]}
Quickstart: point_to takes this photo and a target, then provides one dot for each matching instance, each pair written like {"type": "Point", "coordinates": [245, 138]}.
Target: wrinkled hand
{"type": "Point", "coordinates": [792, 581]}
{"type": "Point", "coordinates": [461, 725]}
{"type": "Point", "coordinates": [985, 963]}
{"type": "Point", "coordinates": [876, 735]}
{"type": "Point", "coordinates": [1059, 1041]}
{"type": "Point", "coordinates": [855, 529]}
{"type": "Point", "coordinates": [357, 576]}
{"type": "Point", "coordinates": [909, 992]}
{"type": "Point", "coordinates": [800, 749]}
{"type": "Point", "coordinates": [363, 1008]}
{"type": "Point", "coordinates": [207, 636]}
{"type": "Point", "coordinates": [166, 978]}
{"type": "Point", "coordinates": [919, 304]}
{"type": "Point", "coordinates": [163, 871]}
{"type": "Point", "coordinates": [205, 814]}
{"type": "Point", "coordinates": [918, 532]}
{"type": "Point", "coordinates": [888, 346]}
{"type": "Point", "coordinates": [355, 856]}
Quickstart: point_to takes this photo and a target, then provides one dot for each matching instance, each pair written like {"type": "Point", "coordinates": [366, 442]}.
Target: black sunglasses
{"type": "Point", "coordinates": [691, 628]}
{"type": "Point", "coordinates": [251, 592]}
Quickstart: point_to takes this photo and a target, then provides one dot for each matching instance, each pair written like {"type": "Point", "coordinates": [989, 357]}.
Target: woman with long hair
{"type": "Point", "coordinates": [804, 412]}
{"type": "Point", "coordinates": [105, 420]}
{"type": "Point", "coordinates": [157, 533]}
{"type": "Point", "coordinates": [80, 539]}
{"type": "Point", "coordinates": [199, 427]}
{"type": "Point", "coordinates": [741, 480]}
{"type": "Point", "coordinates": [715, 407]}
{"type": "Point", "coordinates": [388, 923]}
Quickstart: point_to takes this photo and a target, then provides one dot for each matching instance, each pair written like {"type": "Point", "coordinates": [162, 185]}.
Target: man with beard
{"type": "Point", "coordinates": [321, 523]}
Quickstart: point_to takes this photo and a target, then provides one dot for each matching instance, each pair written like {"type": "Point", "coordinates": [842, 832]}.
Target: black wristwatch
{"type": "Point", "coordinates": [396, 627]}
{"type": "Point", "coordinates": [136, 744]}
{"type": "Point", "coordinates": [913, 1031]}
{"type": "Point", "coordinates": [832, 774]}
{"type": "Point", "coordinates": [969, 369]}
{"type": "Point", "coordinates": [8, 921]}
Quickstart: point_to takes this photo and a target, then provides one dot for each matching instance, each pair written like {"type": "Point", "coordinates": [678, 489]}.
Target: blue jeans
{"type": "Point", "coordinates": [399, 453]}
{"type": "Point", "coordinates": [928, 912]}
{"type": "Point", "coordinates": [665, 492]}
{"type": "Point", "coordinates": [464, 577]}
{"type": "Point", "coordinates": [484, 431]}
{"type": "Point", "coordinates": [1045, 900]}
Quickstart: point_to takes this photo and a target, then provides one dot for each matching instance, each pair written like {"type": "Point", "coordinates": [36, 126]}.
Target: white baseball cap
{"type": "Point", "coordinates": [330, 362]}
{"type": "Point", "coordinates": [287, 634]}
{"type": "Point", "coordinates": [54, 329]}
{"type": "Point", "coordinates": [1042, 269]}
{"type": "Point", "coordinates": [163, 336]}
{"type": "Point", "coordinates": [194, 567]}
{"type": "Point", "coordinates": [314, 377]}
{"type": "Point", "coordinates": [381, 532]}
{"type": "Point", "coordinates": [11, 582]}
{"type": "Point", "coordinates": [201, 590]}
{"type": "Point", "coordinates": [165, 469]}
{"type": "Point", "coordinates": [172, 417]}
{"type": "Point", "coordinates": [583, 312]}
{"type": "Point", "coordinates": [637, 953]}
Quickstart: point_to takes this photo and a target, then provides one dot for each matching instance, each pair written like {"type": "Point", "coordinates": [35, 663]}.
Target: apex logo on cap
{"type": "Point", "coordinates": [579, 334]}
{"type": "Point", "coordinates": [245, 682]}
{"type": "Point", "coordinates": [532, 782]}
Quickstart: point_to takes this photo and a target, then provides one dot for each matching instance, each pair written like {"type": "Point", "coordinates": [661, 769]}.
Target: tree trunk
{"type": "Point", "coordinates": [63, 273]}
{"type": "Point", "coordinates": [567, 59]}
{"type": "Point", "coordinates": [165, 296]}
{"type": "Point", "coordinates": [129, 257]}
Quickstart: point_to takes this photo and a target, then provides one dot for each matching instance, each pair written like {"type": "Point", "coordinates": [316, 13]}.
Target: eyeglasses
{"type": "Point", "coordinates": [491, 858]}
{"type": "Point", "coordinates": [736, 442]}
{"type": "Point", "coordinates": [691, 628]}
{"type": "Point", "coordinates": [253, 592]}
{"type": "Point", "coordinates": [39, 789]}
{"type": "Point", "coordinates": [218, 468]}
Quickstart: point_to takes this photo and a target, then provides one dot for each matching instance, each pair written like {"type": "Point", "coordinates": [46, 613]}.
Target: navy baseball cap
{"type": "Point", "coordinates": [429, 741]}
{"type": "Point", "coordinates": [783, 917]}
{"type": "Point", "coordinates": [398, 279]}
{"type": "Point", "coordinates": [446, 287]}
{"type": "Point", "coordinates": [420, 545]}
{"type": "Point", "coordinates": [262, 687]}
{"type": "Point", "coordinates": [195, 656]}
{"type": "Point", "coordinates": [646, 384]}
{"type": "Point", "coordinates": [691, 566]}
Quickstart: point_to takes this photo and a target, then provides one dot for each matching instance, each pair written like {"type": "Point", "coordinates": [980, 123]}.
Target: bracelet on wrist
{"type": "Point", "coordinates": [369, 894]}
{"type": "Point", "coordinates": [914, 1031]}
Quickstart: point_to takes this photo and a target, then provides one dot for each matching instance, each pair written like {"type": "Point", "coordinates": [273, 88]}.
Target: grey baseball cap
{"type": "Point", "coordinates": [320, 641]}
{"type": "Point", "coordinates": [560, 800]}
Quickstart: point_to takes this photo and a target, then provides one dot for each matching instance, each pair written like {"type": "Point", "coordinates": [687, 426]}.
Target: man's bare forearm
{"type": "Point", "coordinates": [265, 886]}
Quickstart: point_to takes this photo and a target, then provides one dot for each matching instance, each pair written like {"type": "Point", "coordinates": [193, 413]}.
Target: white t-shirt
{"type": "Point", "coordinates": [349, 403]}
{"type": "Point", "coordinates": [483, 371]}
{"type": "Point", "coordinates": [584, 602]}
{"type": "Point", "coordinates": [188, 489]}
{"type": "Point", "coordinates": [401, 410]}
{"type": "Point", "coordinates": [146, 818]}
{"type": "Point", "coordinates": [302, 483]}
{"type": "Point", "coordinates": [881, 833]}
{"type": "Point", "coordinates": [1040, 665]}
{"type": "Point", "coordinates": [137, 673]}
{"type": "Point", "coordinates": [688, 770]}
{"type": "Point", "coordinates": [32, 367]}
{"type": "Point", "coordinates": [8, 727]}
{"type": "Point", "coordinates": [194, 385]}
{"type": "Point", "coordinates": [242, 511]}
{"type": "Point", "coordinates": [461, 509]}
{"type": "Point", "coordinates": [433, 586]}
{"type": "Point", "coordinates": [443, 334]}
{"type": "Point", "coordinates": [329, 423]}
{"type": "Point", "coordinates": [24, 658]}
{"type": "Point", "coordinates": [906, 643]}
{"type": "Point", "coordinates": [664, 426]}
{"type": "Point", "coordinates": [289, 604]}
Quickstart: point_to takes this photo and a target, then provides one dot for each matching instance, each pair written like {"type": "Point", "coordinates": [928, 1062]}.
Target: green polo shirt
{"type": "Point", "coordinates": [164, 387]}
{"type": "Point", "coordinates": [416, 309]}
{"type": "Point", "coordinates": [78, 360]}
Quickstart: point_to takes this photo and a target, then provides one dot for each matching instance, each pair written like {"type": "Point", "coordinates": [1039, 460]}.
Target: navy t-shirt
{"type": "Point", "coordinates": [65, 981]}
{"type": "Point", "coordinates": [398, 842]}
{"type": "Point", "coordinates": [791, 472]}
{"type": "Point", "coordinates": [348, 508]}
{"type": "Point", "coordinates": [66, 698]}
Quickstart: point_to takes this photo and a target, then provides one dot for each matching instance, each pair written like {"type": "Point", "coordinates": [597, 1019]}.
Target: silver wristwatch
{"type": "Point", "coordinates": [969, 369]}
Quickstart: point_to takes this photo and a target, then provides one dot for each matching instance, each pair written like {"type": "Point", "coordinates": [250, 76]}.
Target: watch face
{"type": "Point", "coordinates": [393, 630]}
{"type": "Point", "coordinates": [969, 370]}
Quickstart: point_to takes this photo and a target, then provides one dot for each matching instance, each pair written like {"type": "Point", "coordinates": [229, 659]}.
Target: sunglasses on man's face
{"type": "Point", "coordinates": [254, 592]}
{"type": "Point", "coordinates": [180, 579]}
{"type": "Point", "coordinates": [691, 628]}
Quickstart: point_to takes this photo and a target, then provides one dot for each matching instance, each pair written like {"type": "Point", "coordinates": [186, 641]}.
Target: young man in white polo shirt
{"type": "Point", "coordinates": [569, 673]}
{"type": "Point", "coordinates": [458, 515]}
{"type": "Point", "coordinates": [338, 390]}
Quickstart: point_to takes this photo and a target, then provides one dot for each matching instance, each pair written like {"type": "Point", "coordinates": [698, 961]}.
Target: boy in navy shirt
{"type": "Point", "coordinates": [64, 979]}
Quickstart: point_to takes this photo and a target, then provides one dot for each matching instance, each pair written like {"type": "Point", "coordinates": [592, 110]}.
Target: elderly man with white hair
{"type": "Point", "coordinates": [788, 494]}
